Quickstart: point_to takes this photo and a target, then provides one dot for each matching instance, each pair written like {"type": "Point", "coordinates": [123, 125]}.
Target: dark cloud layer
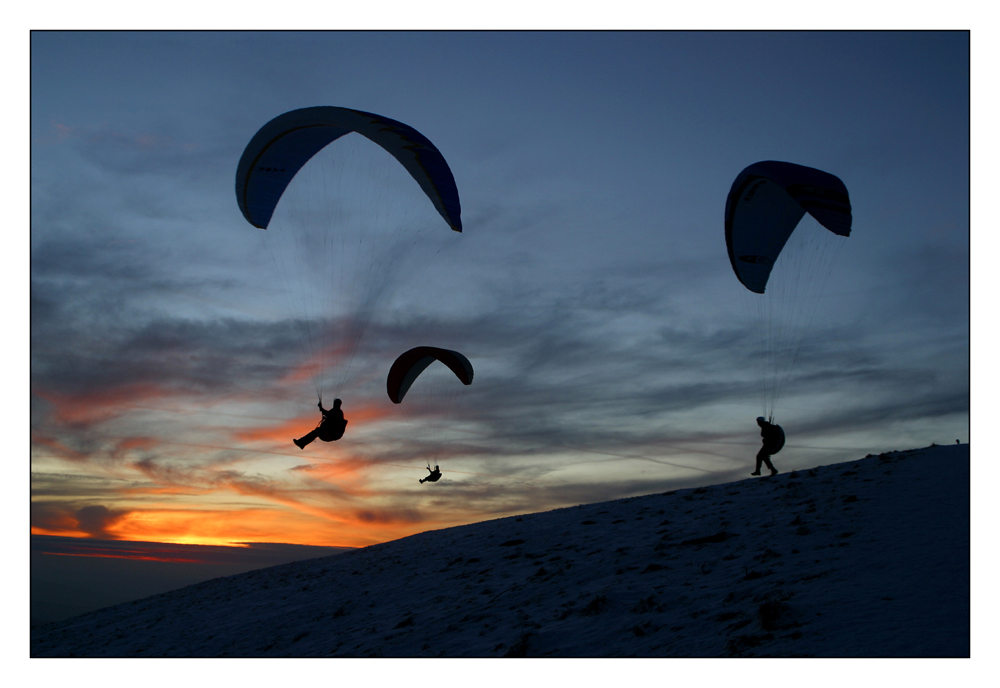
{"type": "Point", "coordinates": [255, 554]}
{"type": "Point", "coordinates": [573, 360]}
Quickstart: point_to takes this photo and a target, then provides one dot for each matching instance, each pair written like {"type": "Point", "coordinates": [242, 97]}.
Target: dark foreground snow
{"type": "Point", "coordinates": [862, 559]}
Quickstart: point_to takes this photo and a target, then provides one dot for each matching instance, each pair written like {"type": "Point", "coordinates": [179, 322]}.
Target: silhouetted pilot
{"type": "Point", "coordinates": [330, 429]}
{"type": "Point", "coordinates": [434, 476]}
{"type": "Point", "coordinates": [773, 439]}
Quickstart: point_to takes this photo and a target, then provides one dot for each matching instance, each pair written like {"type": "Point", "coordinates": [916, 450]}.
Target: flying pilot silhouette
{"type": "Point", "coordinates": [773, 439]}
{"type": "Point", "coordinates": [434, 476]}
{"type": "Point", "coordinates": [330, 429]}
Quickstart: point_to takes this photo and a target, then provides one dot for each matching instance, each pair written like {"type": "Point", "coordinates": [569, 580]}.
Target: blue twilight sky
{"type": "Point", "coordinates": [590, 288]}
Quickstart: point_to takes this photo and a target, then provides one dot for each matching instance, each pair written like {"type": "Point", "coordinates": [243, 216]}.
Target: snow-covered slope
{"type": "Point", "coordinates": [862, 559]}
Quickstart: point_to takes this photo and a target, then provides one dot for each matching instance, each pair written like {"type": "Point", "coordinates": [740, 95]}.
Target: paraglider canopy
{"type": "Point", "coordinates": [766, 203]}
{"type": "Point", "coordinates": [410, 364]}
{"type": "Point", "coordinates": [282, 146]}
{"type": "Point", "coordinates": [764, 219]}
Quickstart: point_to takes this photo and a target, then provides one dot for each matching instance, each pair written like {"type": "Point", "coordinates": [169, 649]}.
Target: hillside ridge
{"type": "Point", "coordinates": [868, 558]}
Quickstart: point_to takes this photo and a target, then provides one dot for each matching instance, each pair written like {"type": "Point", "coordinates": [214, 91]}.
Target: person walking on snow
{"type": "Point", "coordinates": [772, 440]}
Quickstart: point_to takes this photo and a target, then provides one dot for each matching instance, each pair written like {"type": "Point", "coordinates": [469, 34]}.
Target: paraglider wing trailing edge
{"type": "Point", "coordinates": [282, 146]}
{"type": "Point", "coordinates": [766, 203]}
{"type": "Point", "coordinates": [410, 364]}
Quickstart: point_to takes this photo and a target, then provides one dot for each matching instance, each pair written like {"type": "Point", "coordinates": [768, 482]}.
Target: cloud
{"type": "Point", "coordinates": [254, 554]}
{"type": "Point", "coordinates": [382, 516]}
{"type": "Point", "coordinates": [93, 520]}
{"type": "Point", "coordinates": [54, 517]}
{"type": "Point", "coordinates": [98, 520]}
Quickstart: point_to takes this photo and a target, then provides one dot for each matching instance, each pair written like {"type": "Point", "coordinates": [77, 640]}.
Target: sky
{"type": "Point", "coordinates": [590, 287]}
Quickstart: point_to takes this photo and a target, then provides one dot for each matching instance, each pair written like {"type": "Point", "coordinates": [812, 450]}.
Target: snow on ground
{"type": "Point", "coordinates": [862, 559]}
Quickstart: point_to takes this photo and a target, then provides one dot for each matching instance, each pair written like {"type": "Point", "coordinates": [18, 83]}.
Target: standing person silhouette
{"type": "Point", "coordinates": [772, 440]}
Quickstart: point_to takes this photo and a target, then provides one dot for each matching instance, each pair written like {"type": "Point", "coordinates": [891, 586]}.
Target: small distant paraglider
{"type": "Point", "coordinates": [434, 476]}
{"type": "Point", "coordinates": [408, 367]}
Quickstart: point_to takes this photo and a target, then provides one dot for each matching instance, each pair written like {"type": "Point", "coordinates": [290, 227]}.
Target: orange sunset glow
{"type": "Point", "coordinates": [295, 523]}
{"type": "Point", "coordinates": [335, 495]}
{"type": "Point", "coordinates": [89, 407]}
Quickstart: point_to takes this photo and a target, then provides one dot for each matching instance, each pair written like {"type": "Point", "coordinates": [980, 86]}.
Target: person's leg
{"type": "Point", "coordinates": [767, 460]}
{"type": "Point", "coordinates": [303, 441]}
